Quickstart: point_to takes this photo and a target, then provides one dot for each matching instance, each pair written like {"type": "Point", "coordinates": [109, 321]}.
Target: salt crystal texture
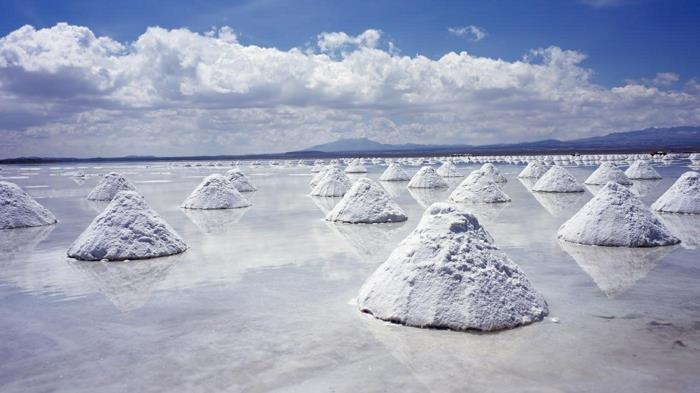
{"type": "Point", "coordinates": [533, 170]}
{"type": "Point", "coordinates": [606, 172]}
{"type": "Point", "coordinates": [111, 184]}
{"type": "Point", "coordinates": [366, 202]}
{"type": "Point", "coordinates": [394, 172]}
{"type": "Point", "coordinates": [449, 169]}
{"type": "Point", "coordinates": [333, 184]}
{"type": "Point", "coordinates": [448, 274]}
{"type": "Point", "coordinates": [682, 197]}
{"type": "Point", "coordinates": [127, 229]}
{"type": "Point", "coordinates": [215, 192]}
{"type": "Point", "coordinates": [427, 177]}
{"type": "Point", "coordinates": [557, 179]}
{"type": "Point", "coordinates": [356, 167]}
{"type": "Point", "coordinates": [240, 180]}
{"type": "Point", "coordinates": [642, 170]}
{"type": "Point", "coordinates": [492, 171]}
{"type": "Point", "coordinates": [616, 217]}
{"type": "Point", "coordinates": [19, 210]}
{"type": "Point", "coordinates": [479, 187]}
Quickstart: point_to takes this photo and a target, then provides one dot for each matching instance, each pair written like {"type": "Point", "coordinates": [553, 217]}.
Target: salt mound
{"type": "Point", "coordinates": [642, 170]}
{"type": "Point", "coordinates": [215, 192]}
{"type": "Point", "coordinates": [127, 229]}
{"type": "Point", "coordinates": [19, 210]}
{"type": "Point", "coordinates": [394, 172]}
{"type": "Point", "coordinates": [356, 167]}
{"type": "Point", "coordinates": [615, 217]}
{"type": "Point", "coordinates": [318, 176]}
{"type": "Point", "coordinates": [606, 172]}
{"type": "Point", "coordinates": [491, 170]}
{"type": "Point", "coordinates": [426, 177]}
{"type": "Point", "coordinates": [682, 197]}
{"type": "Point", "coordinates": [334, 184]}
{"type": "Point", "coordinates": [240, 180]}
{"type": "Point", "coordinates": [478, 187]}
{"type": "Point", "coordinates": [557, 179]}
{"type": "Point", "coordinates": [533, 170]}
{"type": "Point", "coordinates": [448, 274]}
{"type": "Point", "coordinates": [366, 202]}
{"type": "Point", "coordinates": [449, 169]}
{"type": "Point", "coordinates": [109, 186]}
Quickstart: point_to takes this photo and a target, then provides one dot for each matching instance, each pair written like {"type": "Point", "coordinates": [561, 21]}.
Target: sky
{"type": "Point", "coordinates": [97, 78]}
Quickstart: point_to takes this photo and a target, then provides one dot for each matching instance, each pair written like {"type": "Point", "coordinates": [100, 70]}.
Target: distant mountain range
{"type": "Point", "coordinates": [648, 140]}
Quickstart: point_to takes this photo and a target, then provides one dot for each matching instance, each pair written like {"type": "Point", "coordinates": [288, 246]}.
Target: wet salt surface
{"type": "Point", "coordinates": [260, 300]}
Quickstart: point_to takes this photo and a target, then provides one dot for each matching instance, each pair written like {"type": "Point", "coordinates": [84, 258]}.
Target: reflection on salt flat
{"type": "Point", "coordinates": [527, 182]}
{"type": "Point", "coordinates": [616, 269]}
{"type": "Point", "coordinates": [685, 227]}
{"type": "Point", "coordinates": [216, 221]}
{"type": "Point", "coordinates": [485, 212]}
{"type": "Point", "coordinates": [372, 242]}
{"type": "Point", "coordinates": [326, 204]}
{"type": "Point", "coordinates": [21, 241]}
{"type": "Point", "coordinates": [643, 187]}
{"type": "Point", "coordinates": [129, 284]}
{"type": "Point", "coordinates": [394, 188]}
{"type": "Point", "coordinates": [427, 196]}
{"type": "Point", "coordinates": [560, 203]}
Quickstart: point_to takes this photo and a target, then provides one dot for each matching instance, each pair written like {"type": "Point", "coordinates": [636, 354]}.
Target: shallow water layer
{"type": "Point", "coordinates": [262, 300]}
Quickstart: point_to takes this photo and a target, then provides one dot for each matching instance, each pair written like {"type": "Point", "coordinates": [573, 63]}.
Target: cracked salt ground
{"type": "Point", "coordinates": [259, 301]}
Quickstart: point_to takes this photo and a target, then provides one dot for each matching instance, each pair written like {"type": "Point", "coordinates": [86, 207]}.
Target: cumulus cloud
{"type": "Point", "coordinates": [472, 32]}
{"type": "Point", "coordinates": [65, 91]}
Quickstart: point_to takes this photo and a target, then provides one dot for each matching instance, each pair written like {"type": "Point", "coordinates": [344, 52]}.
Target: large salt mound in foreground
{"type": "Point", "coordinates": [127, 229]}
{"type": "Point", "coordinates": [426, 177]}
{"type": "Point", "coordinates": [479, 187]}
{"type": "Point", "coordinates": [394, 172]}
{"type": "Point", "coordinates": [606, 172]}
{"type": "Point", "coordinates": [366, 203]}
{"type": "Point", "coordinates": [615, 217]}
{"type": "Point", "coordinates": [19, 210]}
{"type": "Point", "coordinates": [240, 180]}
{"type": "Point", "coordinates": [642, 170]}
{"type": "Point", "coordinates": [533, 170]}
{"type": "Point", "coordinates": [449, 169]}
{"type": "Point", "coordinates": [557, 179]}
{"type": "Point", "coordinates": [111, 184]}
{"type": "Point", "coordinates": [215, 192]}
{"type": "Point", "coordinates": [682, 197]}
{"type": "Point", "coordinates": [492, 171]}
{"type": "Point", "coordinates": [448, 274]}
{"type": "Point", "coordinates": [333, 184]}
{"type": "Point", "coordinates": [356, 167]}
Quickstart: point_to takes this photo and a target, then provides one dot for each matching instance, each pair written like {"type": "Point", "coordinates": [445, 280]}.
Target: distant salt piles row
{"type": "Point", "coordinates": [448, 274]}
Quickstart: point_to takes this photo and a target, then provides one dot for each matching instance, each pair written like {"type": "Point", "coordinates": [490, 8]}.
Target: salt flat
{"type": "Point", "coordinates": [263, 298]}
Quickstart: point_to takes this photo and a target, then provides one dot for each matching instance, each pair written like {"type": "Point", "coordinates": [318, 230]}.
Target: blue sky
{"type": "Point", "coordinates": [224, 77]}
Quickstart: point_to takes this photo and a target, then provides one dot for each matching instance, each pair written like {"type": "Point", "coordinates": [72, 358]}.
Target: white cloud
{"type": "Point", "coordinates": [64, 91]}
{"type": "Point", "coordinates": [472, 32]}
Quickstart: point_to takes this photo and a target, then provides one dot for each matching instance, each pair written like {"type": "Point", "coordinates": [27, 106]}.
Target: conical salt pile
{"type": "Point", "coordinates": [394, 172]}
{"type": "Point", "coordinates": [492, 171]}
{"type": "Point", "coordinates": [478, 187]}
{"type": "Point", "coordinates": [606, 172]}
{"type": "Point", "coordinates": [215, 192]}
{"type": "Point", "coordinates": [333, 184]}
{"type": "Point", "coordinates": [426, 177]}
{"type": "Point", "coordinates": [19, 210]}
{"type": "Point", "coordinates": [533, 170]}
{"type": "Point", "coordinates": [615, 217]}
{"type": "Point", "coordinates": [449, 169]}
{"type": "Point", "coordinates": [682, 197]}
{"type": "Point", "coordinates": [642, 170]}
{"type": "Point", "coordinates": [127, 229]}
{"type": "Point", "coordinates": [448, 274]}
{"type": "Point", "coordinates": [240, 180]}
{"type": "Point", "coordinates": [366, 202]}
{"type": "Point", "coordinates": [557, 179]}
{"type": "Point", "coordinates": [111, 184]}
{"type": "Point", "coordinates": [356, 167]}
